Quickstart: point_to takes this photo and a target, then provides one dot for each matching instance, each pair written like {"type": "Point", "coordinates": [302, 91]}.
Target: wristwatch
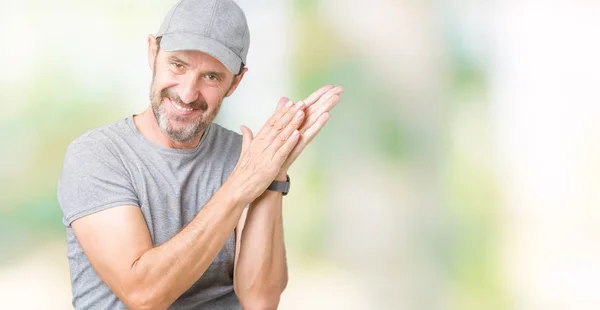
{"type": "Point", "coordinates": [281, 186]}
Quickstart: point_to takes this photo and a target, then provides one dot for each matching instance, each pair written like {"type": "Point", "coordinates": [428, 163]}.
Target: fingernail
{"type": "Point", "coordinates": [295, 133]}
{"type": "Point", "coordinates": [300, 104]}
{"type": "Point", "coordinates": [289, 104]}
{"type": "Point", "coordinates": [299, 114]}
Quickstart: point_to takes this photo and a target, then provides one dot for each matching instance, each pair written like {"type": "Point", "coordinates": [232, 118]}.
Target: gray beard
{"type": "Point", "coordinates": [188, 132]}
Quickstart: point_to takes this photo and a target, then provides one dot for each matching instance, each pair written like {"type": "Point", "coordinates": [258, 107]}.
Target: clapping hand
{"type": "Point", "coordinates": [318, 105]}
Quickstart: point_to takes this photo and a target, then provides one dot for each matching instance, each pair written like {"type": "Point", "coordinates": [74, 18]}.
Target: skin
{"type": "Point", "coordinates": [117, 241]}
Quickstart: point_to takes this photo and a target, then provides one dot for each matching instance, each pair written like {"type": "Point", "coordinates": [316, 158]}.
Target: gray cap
{"type": "Point", "coordinates": [215, 27]}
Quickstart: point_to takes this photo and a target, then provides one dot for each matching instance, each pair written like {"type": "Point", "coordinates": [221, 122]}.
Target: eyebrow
{"type": "Point", "coordinates": [220, 75]}
{"type": "Point", "coordinates": [177, 59]}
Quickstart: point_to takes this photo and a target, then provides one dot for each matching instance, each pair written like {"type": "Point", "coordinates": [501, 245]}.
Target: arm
{"type": "Point", "coordinates": [118, 244]}
{"type": "Point", "coordinates": [260, 270]}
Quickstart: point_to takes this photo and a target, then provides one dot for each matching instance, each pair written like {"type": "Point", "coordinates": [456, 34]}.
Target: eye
{"type": "Point", "coordinates": [212, 77]}
{"type": "Point", "coordinates": [177, 66]}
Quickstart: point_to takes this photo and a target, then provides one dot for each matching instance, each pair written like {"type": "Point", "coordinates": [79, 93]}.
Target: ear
{"type": "Point", "coordinates": [236, 81]}
{"type": "Point", "coordinates": [152, 51]}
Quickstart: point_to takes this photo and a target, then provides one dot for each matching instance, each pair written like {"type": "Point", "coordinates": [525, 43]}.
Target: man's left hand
{"type": "Point", "coordinates": [318, 105]}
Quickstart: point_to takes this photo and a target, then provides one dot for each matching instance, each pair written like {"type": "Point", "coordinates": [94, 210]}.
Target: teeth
{"type": "Point", "coordinates": [180, 108]}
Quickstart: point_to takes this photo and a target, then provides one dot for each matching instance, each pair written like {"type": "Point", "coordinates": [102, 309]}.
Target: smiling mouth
{"type": "Point", "coordinates": [180, 108]}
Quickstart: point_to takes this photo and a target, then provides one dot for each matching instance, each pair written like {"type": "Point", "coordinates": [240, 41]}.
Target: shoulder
{"type": "Point", "coordinates": [94, 176]}
{"type": "Point", "coordinates": [98, 144]}
{"type": "Point", "coordinates": [224, 144]}
{"type": "Point", "coordinates": [227, 138]}
{"type": "Point", "coordinates": [101, 137]}
{"type": "Point", "coordinates": [224, 133]}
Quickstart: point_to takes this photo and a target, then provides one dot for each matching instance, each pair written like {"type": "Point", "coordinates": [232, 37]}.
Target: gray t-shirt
{"type": "Point", "coordinates": [116, 165]}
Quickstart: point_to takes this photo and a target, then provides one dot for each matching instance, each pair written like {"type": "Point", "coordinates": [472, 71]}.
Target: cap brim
{"type": "Point", "coordinates": [194, 42]}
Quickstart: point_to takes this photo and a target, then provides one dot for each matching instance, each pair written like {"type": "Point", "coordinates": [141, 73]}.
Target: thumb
{"type": "Point", "coordinates": [247, 138]}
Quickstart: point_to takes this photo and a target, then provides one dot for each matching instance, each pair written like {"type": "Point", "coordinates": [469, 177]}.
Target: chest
{"type": "Point", "coordinates": [172, 190]}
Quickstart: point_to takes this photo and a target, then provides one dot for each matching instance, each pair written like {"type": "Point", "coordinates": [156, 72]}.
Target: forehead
{"type": "Point", "coordinates": [197, 60]}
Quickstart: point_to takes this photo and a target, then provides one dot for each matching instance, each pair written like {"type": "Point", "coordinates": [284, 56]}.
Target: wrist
{"type": "Point", "coordinates": [281, 176]}
{"type": "Point", "coordinates": [234, 194]}
{"type": "Point", "coordinates": [280, 186]}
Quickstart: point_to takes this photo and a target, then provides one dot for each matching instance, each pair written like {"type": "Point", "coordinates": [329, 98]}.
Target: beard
{"type": "Point", "coordinates": [180, 128]}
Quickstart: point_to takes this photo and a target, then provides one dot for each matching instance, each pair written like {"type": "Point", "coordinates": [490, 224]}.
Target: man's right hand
{"type": "Point", "coordinates": [262, 156]}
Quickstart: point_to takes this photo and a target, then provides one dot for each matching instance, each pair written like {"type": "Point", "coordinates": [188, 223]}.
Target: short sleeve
{"type": "Point", "coordinates": [93, 179]}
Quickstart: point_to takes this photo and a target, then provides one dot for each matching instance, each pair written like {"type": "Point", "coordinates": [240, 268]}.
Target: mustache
{"type": "Point", "coordinates": [172, 95]}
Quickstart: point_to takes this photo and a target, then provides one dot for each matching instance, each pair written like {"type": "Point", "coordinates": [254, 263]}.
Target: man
{"type": "Point", "coordinates": [166, 209]}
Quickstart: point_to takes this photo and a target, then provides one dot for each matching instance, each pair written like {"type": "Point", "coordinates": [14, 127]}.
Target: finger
{"type": "Point", "coordinates": [318, 111]}
{"type": "Point", "coordinates": [280, 125]}
{"type": "Point", "coordinates": [272, 121]}
{"type": "Point", "coordinates": [282, 153]}
{"type": "Point", "coordinates": [313, 130]}
{"type": "Point", "coordinates": [293, 125]}
{"type": "Point", "coordinates": [336, 91]}
{"type": "Point", "coordinates": [310, 100]}
{"type": "Point", "coordinates": [282, 101]}
{"type": "Point", "coordinates": [247, 138]}
{"type": "Point", "coordinates": [305, 139]}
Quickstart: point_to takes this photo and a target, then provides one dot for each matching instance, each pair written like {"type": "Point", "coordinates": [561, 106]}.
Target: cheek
{"type": "Point", "coordinates": [164, 80]}
{"type": "Point", "coordinates": [213, 96]}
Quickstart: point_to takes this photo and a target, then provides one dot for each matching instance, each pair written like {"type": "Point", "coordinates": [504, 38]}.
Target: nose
{"type": "Point", "coordinates": [189, 91]}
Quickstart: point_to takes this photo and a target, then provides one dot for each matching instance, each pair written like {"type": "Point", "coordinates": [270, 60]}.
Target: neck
{"type": "Point", "coordinates": [146, 124]}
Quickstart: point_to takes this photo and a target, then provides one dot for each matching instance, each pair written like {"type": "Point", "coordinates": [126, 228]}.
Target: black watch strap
{"type": "Point", "coordinates": [279, 186]}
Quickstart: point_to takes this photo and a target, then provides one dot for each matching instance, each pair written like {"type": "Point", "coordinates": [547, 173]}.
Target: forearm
{"type": "Point", "coordinates": [261, 272]}
{"type": "Point", "coordinates": [164, 273]}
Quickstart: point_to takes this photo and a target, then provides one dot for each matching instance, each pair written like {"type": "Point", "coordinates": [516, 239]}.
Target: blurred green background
{"type": "Point", "coordinates": [460, 170]}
